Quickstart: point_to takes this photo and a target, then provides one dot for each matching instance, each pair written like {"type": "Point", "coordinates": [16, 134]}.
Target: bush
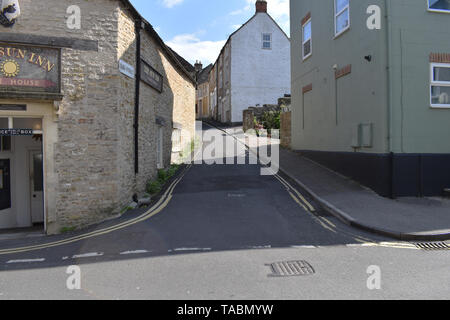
{"type": "Point", "coordinates": [154, 187]}
{"type": "Point", "coordinates": [172, 170]}
{"type": "Point", "coordinates": [271, 120]}
{"type": "Point", "coordinates": [162, 175]}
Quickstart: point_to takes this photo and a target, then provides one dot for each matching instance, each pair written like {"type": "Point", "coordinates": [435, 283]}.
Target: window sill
{"type": "Point", "coordinates": [440, 106]}
{"type": "Point", "coordinates": [341, 33]}
{"type": "Point", "coordinates": [438, 11]}
{"type": "Point", "coordinates": [307, 57]}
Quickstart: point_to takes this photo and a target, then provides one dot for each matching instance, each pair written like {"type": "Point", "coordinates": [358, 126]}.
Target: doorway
{"type": "Point", "coordinates": [21, 173]}
{"type": "Point", "coordinates": [36, 186]}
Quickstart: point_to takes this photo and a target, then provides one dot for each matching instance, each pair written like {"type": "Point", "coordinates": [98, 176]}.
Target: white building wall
{"type": "Point", "coordinates": [258, 76]}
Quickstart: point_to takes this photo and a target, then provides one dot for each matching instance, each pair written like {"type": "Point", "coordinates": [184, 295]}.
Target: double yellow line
{"type": "Point", "coordinates": [296, 195]}
{"type": "Point", "coordinates": [308, 207]}
{"type": "Point", "coordinates": [157, 208]}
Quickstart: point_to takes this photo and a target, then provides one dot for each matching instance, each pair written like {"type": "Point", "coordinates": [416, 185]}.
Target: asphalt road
{"type": "Point", "coordinates": [211, 237]}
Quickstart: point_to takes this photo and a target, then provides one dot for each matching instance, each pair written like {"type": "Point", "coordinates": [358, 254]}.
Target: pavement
{"type": "Point", "coordinates": [408, 219]}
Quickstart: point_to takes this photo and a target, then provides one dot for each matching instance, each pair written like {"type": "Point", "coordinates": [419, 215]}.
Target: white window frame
{"type": "Point", "coordinates": [436, 10]}
{"type": "Point", "coordinates": [309, 21]}
{"type": "Point", "coordinates": [176, 140]}
{"type": "Point", "coordinates": [434, 83]}
{"type": "Point", "coordinates": [337, 14]}
{"type": "Point", "coordinates": [263, 41]}
{"type": "Point", "coordinates": [160, 149]}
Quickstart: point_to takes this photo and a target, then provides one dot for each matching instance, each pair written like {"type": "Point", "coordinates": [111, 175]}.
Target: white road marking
{"type": "Point", "coordinates": [134, 252]}
{"type": "Point", "coordinates": [26, 260]}
{"type": "Point", "coordinates": [192, 249]}
{"type": "Point", "coordinates": [304, 247]}
{"type": "Point", "coordinates": [87, 255]}
{"type": "Point", "coordinates": [395, 245]}
{"type": "Point", "coordinates": [260, 247]}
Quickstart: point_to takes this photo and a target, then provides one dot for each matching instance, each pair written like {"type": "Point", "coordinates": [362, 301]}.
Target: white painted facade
{"type": "Point", "coordinates": [257, 75]}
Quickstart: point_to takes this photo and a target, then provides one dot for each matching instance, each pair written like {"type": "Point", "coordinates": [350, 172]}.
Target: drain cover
{"type": "Point", "coordinates": [291, 269]}
{"type": "Point", "coordinates": [432, 246]}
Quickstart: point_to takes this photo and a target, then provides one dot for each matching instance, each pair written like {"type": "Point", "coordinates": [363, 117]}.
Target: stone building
{"type": "Point", "coordinates": [253, 67]}
{"type": "Point", "coordinates": [92, 103]}
{"type": "Point", "coordinates": [203, 93]}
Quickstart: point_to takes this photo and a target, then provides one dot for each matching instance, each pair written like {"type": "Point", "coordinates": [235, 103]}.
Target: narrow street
{"type": "Point", "coordinates": [220, 228]}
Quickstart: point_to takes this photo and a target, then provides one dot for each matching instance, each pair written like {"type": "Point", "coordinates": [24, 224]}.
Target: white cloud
{"type": "Point", "coordinates": [278, 9]}
{"type": "Point", "coordinates": [171, 3]}
{"type": "Point", "coordinates": [236, 26]}
{"type": "Point", "coordinates": [190, 47]}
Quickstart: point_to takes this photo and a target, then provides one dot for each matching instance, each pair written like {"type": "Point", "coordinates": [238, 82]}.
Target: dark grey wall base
{"type": "Point", "coordinates": [391, 175]}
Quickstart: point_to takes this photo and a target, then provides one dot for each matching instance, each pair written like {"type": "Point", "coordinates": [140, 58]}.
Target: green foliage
{"type": "Point", "coordinates": [154, 187]}
{"type": "Point", "coordinates": [126, 209]}
{"type": "Point", "coordinates": [162, 175]}
{"type": "Point", "coordinates": [271, 120]}
{"type": "Point", "coordinates": [67, 229]}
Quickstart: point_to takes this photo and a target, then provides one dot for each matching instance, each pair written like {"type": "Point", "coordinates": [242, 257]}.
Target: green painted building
{"type": "Point", "coordinates": [371, 91]}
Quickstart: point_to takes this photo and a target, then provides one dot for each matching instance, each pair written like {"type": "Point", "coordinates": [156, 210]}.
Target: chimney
{"type": "Point", "coordinates": [261, 6]}
{"type": "Point", "coordinates": [198, 66]}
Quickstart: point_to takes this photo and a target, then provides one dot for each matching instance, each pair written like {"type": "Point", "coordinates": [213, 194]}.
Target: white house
{"type": "Point", "coordinates": [253, 67]}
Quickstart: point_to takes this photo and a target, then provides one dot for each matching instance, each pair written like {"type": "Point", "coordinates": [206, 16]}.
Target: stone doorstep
{"type": "Point", "coordinates": [447, 192]}
{"type": "Point", "coordinates": [17, 235]}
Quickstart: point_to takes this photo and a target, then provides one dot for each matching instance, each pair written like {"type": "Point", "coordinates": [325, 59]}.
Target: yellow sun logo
{"type": "Point", "coordinates": [10, 68]}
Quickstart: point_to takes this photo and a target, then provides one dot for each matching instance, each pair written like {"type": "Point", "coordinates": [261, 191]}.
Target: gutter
{"type": "Point", "coordinates": [138, 28]}
{"type": "Point", "coordinates": [389, 96]}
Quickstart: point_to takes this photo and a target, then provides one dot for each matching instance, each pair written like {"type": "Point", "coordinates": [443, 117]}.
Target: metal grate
{"type": "Point", "coordinates": [432, 246]}
{"type": "Point", "coordinates": [291, 269]}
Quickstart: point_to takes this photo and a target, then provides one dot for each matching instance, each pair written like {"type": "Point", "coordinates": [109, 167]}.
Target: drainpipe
{"type": "Point", "coordinates": [389, 94]}
{"type": "Point", "coordinates": [138, 27]}
{"type": "Point", "coordinates": [217, 91]}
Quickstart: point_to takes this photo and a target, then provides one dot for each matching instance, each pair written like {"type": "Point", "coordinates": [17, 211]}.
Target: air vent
{"type": "Point", "coordinates": [291, 269]}
{"type": "Point", "coordinates": [432, 246]}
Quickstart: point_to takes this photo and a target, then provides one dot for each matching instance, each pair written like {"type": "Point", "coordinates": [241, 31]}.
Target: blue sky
{"type": "Point", "coordinates": [197, 29]}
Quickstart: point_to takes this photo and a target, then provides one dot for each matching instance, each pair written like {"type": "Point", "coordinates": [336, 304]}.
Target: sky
{"type": "Point", "coordinates": [198, 29]}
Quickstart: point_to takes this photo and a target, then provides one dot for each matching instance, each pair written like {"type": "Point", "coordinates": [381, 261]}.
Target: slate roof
{"type": "Point", "coordinates": [176, 59]}
{"type": "Point", "coordinates": [203, 75]}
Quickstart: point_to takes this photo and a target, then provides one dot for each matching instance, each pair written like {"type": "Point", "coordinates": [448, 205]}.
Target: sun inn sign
{"type": "Point", "coordinates": [27, 69]}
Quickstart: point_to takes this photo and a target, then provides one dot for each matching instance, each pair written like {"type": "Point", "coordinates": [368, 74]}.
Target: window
{"type": "Point", "coordinates": [307, 40]}
{"type": "Point", "coordinates": [440, 85]}
{"type": "Point", "coordinates": [341, 16]}
{"type": "Point", "coordinates": [266, 41]}
{"type": "Point", "coordinates": [439, 5]}
{"type": "Point", "coordinates": [5, 143]}
{"type": "Point", "coordinates": [159, 149]}
{"type": "Point", "coordinates": [176, 140]}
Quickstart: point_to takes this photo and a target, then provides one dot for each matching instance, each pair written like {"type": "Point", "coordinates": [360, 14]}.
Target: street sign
{"type": "Point", "coordinates": [127, 69]}
{"type": "Point", "coordinates": [16, 132]}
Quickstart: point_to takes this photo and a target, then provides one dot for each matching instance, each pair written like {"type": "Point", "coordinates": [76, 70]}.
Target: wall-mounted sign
{"type": "Point", "coordinates": [13, 107]}
{"type": "Point", "coordinates": [29, 69]}
{"type": "Point", "coordinates": [16, 132]}
{"type": "Point", "coordinates": [9, 12]}
{"type": "Point", "coordinates": [151, 77]}
{"type": "Point", "coordinates": [127, 69]}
